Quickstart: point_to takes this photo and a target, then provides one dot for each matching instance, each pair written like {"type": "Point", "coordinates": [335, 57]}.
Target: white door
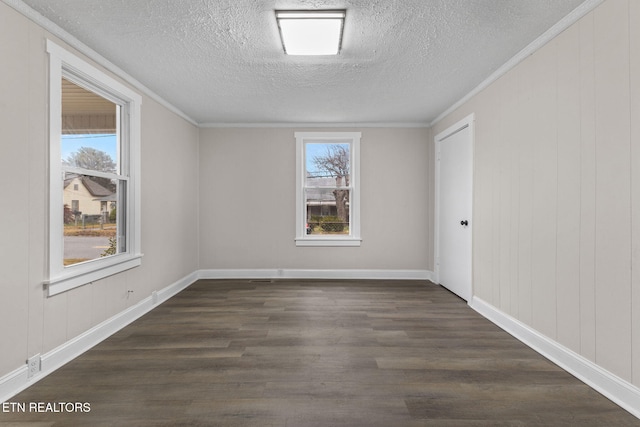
{"type": "Point", "coordinates": [454, 179]}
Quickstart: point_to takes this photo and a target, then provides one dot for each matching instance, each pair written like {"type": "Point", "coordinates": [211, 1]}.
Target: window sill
{"type": "Point", "coordinates": [91, 272]}
{"type": "Point", "coordinates": [328, 241]}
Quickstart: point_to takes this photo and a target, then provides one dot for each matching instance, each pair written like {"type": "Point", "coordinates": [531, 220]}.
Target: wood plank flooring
{"type": "Point", "coordinates": [316, 353]}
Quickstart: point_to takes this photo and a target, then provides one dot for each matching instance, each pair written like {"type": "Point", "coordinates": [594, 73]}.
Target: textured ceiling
{"type": "Point", "coordinates": [220, 61]}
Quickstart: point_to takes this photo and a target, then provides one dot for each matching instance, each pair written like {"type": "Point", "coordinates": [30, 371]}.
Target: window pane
{"type": "Point", "coordinates": [90, 218]}
{"type": "Point", "coordinates": [327, 164]}
{"type": "Point", "coordinates": [89, 129]}
{"type": "Point", "coordinates": [327, 211]}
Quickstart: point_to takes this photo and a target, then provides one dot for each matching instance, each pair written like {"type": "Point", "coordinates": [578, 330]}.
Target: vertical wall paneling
{"type": "Point", "coordinates": [613, 221]}
{"type": "Point", "coordinates": [514, 131]}
{"type": "Point", "coordinates": [575, 107]}
{"type": "Point", "coordinates": [40, 324]}
{"type": "Point", "coordinates": [14, 257]}
{"type": "Point", "coordinates": [99, 308]}
{"type": "Point", "coordinates": [587, 189]}
{"type": "Point", "coordinates": [480, 257]}
{"type": "Point", "coordinates": [79, 318]}
{"type": "Point", "coordinates": [496, 193]}
{"type": "Point", "coordinates": [54, 325]}
{"type": "Point", "coordinates": [504, 186]}
{"type": "Point", "coordinates": [484, 232]}
{"type": "Point", "coordinates": [38, 187]}
{"type": "Point", "coordinates": [511, 134]}
{"type": "Point", "coordinates": [568, 211]}
{"type": "Point", "coordinates": [634, 116]}
{"type": "Point", "coordinates": [544, 192]}
{"type": "Point", "coordinates": [525, 201]}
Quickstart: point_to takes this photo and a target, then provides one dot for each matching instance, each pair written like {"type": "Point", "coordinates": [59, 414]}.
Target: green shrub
{"type": "Point", "coordinates": [111, 250]}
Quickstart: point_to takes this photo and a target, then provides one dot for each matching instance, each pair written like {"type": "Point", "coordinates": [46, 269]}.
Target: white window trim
{"type": "Point", "coordinates": [353, 238]}
{"type": "Point", "coordinates": [60, 278]}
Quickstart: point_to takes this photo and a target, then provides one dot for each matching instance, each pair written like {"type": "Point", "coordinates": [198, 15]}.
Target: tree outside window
{"type": "Point", "coordinates": [328, 199]}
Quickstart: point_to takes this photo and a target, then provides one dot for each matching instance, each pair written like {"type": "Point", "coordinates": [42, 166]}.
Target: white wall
{"type": "Point", "coordinates": [247, 202]}
{"type": "Point", "coordinates": [30, 322]}
{"type": "Point", "coordinates": [557, 189]}
{"type": "Point", "coordinates": [556, 197]}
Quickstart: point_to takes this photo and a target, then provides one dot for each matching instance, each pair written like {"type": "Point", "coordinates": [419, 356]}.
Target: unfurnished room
{"type": "Point", "coordinates": [320, 212]}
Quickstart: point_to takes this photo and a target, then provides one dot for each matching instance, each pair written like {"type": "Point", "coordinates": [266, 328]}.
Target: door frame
{"type": "Point", "coordinates": [468, 121]}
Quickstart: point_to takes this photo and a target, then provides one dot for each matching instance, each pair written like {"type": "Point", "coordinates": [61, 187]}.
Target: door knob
{"type": "Point", "coordinates": [464, 222]}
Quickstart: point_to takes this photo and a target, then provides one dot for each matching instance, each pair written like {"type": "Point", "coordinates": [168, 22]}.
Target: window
{"type": "Point", "coordinates": [327, 196]}
{"type": "Point", "coordinates": [94, 207]}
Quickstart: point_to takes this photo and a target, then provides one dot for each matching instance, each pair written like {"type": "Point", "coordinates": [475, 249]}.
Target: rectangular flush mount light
{"type": "Point", "coordinates": [311, 32]}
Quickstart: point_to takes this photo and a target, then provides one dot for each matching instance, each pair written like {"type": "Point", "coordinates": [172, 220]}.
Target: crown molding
{"type": "Point", "coordinates": [63, 35]}
{"type": "Point", "coordinates": [316, 125]}
{"type": "Point", "coordinates": [69, 39]}
{"type": "Point", "coordinates": [531, 48]}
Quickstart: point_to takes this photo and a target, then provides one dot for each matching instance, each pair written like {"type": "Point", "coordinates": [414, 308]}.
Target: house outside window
{"type": "Point", "coordinates": [95, 163]}
{"type": "Point", "coordinates": [328, 193]}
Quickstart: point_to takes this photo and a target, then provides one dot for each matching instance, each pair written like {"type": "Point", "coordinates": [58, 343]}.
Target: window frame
{"type": "Point", "coordinates": [62, 63]}
{"type": "Point", "coordinates": [354, 237]}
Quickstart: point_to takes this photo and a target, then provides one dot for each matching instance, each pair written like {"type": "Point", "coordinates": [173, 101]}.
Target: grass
{"type": "Point", "coordinates": [109, 230]}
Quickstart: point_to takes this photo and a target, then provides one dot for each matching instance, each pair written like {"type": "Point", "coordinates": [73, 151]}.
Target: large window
{"type": "Point", "coordinates": [94, 163]}
{"type": "Point", "coordinates": [327, 198]}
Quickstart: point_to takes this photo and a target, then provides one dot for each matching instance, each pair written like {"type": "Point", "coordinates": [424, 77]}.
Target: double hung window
{"type": "Point", "coordinates": [328, 197]}
{"type": "Point", "coordinates": [94, 164]}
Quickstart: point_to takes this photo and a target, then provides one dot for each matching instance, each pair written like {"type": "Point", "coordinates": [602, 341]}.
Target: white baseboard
{"type": "Point", "coordinates": [614, 388]}
{"type": "Point", "coordinates": [17, 380]}
{"type": "Point", "coordinates": [14, 382]}
{"type": "Point", "coordinates": [619, 391]}
{"type": "Point", "coordinates": [279, 273]}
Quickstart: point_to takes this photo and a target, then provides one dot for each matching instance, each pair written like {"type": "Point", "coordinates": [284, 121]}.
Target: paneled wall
{"type": "Point", "coordinates": [31, 322]}
{"type": "Point", "coordinates": [557, 189]}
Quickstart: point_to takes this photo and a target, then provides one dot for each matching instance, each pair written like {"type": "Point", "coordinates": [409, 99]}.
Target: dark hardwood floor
{"type": "Point", "coordinates": [316, 353]}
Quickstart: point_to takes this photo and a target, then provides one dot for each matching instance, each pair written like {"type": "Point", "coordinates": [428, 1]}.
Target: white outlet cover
{"type": "Point", "coordinates": [33, 365]}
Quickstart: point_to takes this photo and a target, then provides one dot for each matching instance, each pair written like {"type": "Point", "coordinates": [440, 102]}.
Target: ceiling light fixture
{"type": "Point", "coordinates": [311, 32]}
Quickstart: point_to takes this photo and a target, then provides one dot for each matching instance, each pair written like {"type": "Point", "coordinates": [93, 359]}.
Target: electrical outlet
{"type": "Point", "coordinates": [33, 365]}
